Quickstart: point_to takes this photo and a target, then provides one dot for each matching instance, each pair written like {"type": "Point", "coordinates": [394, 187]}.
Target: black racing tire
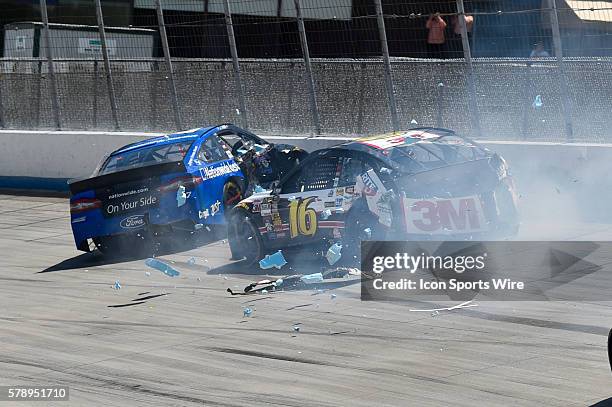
{"type": "Point", "coordinates": [244, 239]}
{"type": "Point", "coordinates": [610, 348]}
{"type": "Point", "coordinates": [232, 194]}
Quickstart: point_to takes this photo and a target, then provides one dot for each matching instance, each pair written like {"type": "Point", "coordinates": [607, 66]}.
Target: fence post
{"type": "Point", "coordinates": [439, 120]}
{"type": "Point", "coordinates": [51, 70]}
{"type": "Point", "coordinates": [382, 36]}
{"type": "Point", "coordinates": [95, 95]}
{"type": "Point", "coordinates": [38, 92]}
{"type": "Point", "coordinates": [565, 99]}
{"type": "Point", "coordinates": [467, 55]}
{"type": "Point", "coordinates": [107, 67]}
{"type": "Point", "coordinates": [311, 85]}
{"type": "Point", "coordinates": [235, 62]}
{"type": "Point", "coordinates": [170, 69]}
{"type": "Point", "coordinates": [1, 107]}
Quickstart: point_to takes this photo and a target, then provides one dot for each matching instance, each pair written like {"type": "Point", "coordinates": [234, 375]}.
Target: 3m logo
{"type": "Point", "coordinates": [444, 216]}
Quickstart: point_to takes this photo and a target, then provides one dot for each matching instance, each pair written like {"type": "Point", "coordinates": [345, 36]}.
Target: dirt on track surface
{"type": "Point", "coordinates": [184, 341]}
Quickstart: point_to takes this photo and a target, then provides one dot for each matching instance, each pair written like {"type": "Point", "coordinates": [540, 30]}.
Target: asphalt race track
{"type": "Point", "coordinates": [184, 341]}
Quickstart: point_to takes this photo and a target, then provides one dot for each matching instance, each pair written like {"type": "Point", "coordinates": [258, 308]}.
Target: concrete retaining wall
{"type": "Point", "coordinates": [551, 172]}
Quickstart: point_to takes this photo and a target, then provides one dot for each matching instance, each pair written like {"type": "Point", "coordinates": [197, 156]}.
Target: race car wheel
{"type": "Point", "coordinates": [232, 194]}
{"type": "Point", "coordinates": [610, 348]}
{"type": "Point", "coordinates": [244, 239]}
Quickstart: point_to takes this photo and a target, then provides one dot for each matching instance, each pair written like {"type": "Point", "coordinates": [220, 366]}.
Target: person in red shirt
{"type": "Point", "coordinates": [435, 37]}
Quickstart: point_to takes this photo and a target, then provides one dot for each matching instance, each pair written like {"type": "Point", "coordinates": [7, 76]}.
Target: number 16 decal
{"type": "Point", "coordinates": [302, 220]}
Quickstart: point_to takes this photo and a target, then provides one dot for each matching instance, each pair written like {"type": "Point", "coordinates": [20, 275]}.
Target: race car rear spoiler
{"type": "Point", "coordinates": [134, 174]}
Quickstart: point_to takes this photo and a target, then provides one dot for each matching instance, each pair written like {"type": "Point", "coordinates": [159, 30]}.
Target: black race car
{"type": "Point", "coordinates": [425, 183]}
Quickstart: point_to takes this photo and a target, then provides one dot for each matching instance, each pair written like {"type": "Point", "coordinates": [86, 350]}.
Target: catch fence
{"type": "Point", "coordinates": [304, 67]}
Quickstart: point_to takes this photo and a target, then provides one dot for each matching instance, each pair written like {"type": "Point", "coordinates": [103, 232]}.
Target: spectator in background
{"type": "Point", "coordinates": [538, 51]}
{"type": "Point", "coordinates": [456, 23]}
{"type": "Point", "coordinates": [469, 24]}
{"type": "Point", "coordinates": [435, 37]}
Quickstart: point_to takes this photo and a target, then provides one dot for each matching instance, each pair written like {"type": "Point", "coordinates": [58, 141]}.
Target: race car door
{"type": "Point", "coordinates": [313, 201]}
{"type": "Point", "coordinates": [216, 166]}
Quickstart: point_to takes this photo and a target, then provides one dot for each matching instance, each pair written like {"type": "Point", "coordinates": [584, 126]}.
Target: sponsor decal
{"type": "Point", "coordinates": [212, 172]}
{"type": "Point", "coordinates": [330, 193]}
{"type": "Point", "coordinates": [377, 196]}
{"type": "Point", "coordinates": [339, 201]}
{"type": "Point", "coordinates": [215, 208]}
{"type": "Point", "coordinates": [339, 191]}
{"type": "Point", "coordinates": [396, 139]}
{"type": "Point", "coordinates": [350, 190]}
{"type": "Point", "coordinates": [329, 204]}
{"type": "Point", "coordinates": [266, 209]}
{"type": "Point", "coordinates": [132, 222]}
{"type": "Point", "coordinates": [444, 216]}
{"type": "Point", "coordinates": [113, 209]}
{"type": "Point", "coordinates": [384, 214]}
{"type": "Point", "coordinates": [256, 207]}
{"type": "Point", "coordinates": [203, 214]}
{"type": "Point", "coordinates": [128, 193]}
{"type": "Point", "coordinates": [78, 220]}
{"type": "Point", "coordinates": [370, 187]}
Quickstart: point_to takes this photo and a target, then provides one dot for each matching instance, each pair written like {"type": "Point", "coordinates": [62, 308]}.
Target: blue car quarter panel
{"type": "Point", "coordinates": [128, 207]}
{"type": "Point", "coordinates": [214, 176]}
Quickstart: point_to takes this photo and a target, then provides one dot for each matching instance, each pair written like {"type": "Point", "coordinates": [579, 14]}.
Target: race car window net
{"type": "Point", "coordinates": [234, 139]}
{"type": "Point", "coordinates": [424, 155]}
{"type": "Point", "coordinates": [351, 169]}
{"type": "Point", "coordinates": [318, 174]}
{"type": "Point", "coordinates": [145, 156]}
{"type": "Point", "coordinates": [230, 138]}
{"type": "Point", "coordinates": [211, 150]}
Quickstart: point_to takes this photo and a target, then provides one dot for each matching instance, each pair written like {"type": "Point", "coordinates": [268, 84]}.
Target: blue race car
{"type": "Point", "coordinates": [178, 182]}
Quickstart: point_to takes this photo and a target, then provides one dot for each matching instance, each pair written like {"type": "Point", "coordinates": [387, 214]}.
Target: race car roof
{"type": "Point", "coordinates": [403, 138]}
{"type": "Point", "coordinates": [192, 134]}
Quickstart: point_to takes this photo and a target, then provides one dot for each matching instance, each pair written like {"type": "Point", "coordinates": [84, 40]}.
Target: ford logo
{"type": "Point", "coordinates": [133, 222]}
